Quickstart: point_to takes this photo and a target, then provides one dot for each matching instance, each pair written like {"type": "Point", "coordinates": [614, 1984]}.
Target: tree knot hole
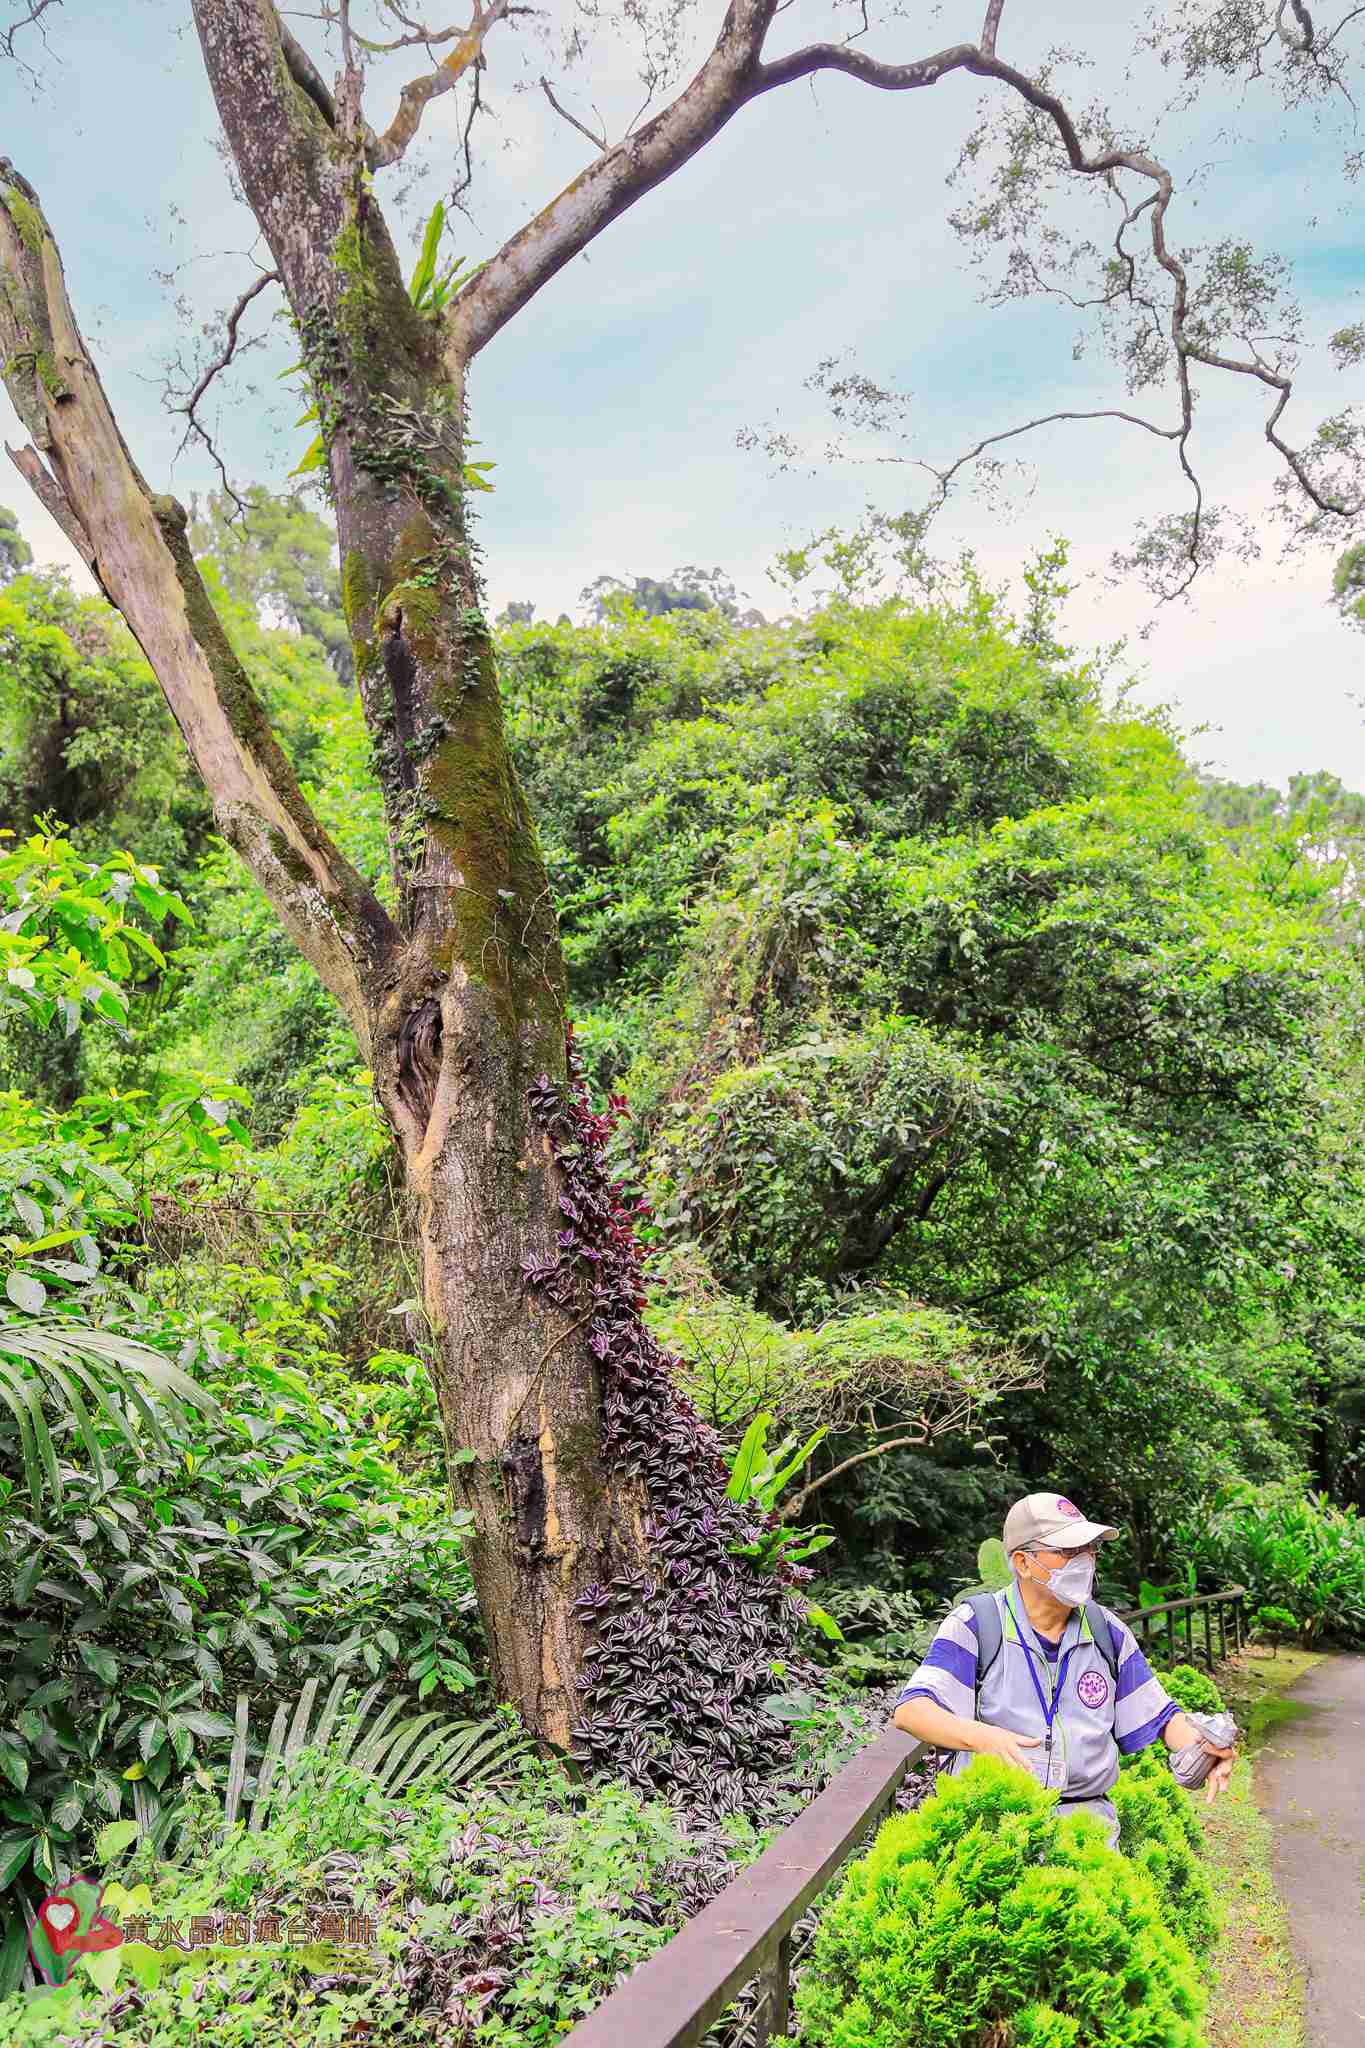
{"type": "Point", "coordinates": [419, 1059]}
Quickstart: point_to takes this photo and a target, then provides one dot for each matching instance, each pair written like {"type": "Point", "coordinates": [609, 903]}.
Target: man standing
{"type": "Point", "coordinates": [1042, 1676]}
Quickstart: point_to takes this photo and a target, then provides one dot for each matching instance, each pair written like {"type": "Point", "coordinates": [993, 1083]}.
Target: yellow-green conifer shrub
{"type": "Point", "coordinates": [1159, 1831]}
{"type": "Point", "coordinates": [1158, 1827]}
{"type": "Point", "coordinates": [985, 1917]}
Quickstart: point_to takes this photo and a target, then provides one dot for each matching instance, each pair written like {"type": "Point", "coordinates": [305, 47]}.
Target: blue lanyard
{"type": "Point", "coordinates": [1049, 1711]}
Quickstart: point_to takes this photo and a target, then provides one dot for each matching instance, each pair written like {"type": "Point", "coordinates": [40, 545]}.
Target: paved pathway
{"type": "Point", "coordinates": [1311, 1773]}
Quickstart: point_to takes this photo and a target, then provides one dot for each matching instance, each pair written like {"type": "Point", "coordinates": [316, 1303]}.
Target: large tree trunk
{"type": "Point", "coordinates": [470, 1010]}
{"type": "Point", "coordinates": [619, 1618]}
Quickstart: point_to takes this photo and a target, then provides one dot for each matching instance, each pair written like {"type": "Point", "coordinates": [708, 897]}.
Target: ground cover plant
{"type": "Point", "coordinates": [499, 1912]}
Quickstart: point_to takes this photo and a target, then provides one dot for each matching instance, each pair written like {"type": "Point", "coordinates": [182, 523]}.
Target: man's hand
{"type": "Point", "coordinates": [929, 1721]}
{"type": "Point", "coordinates": [988, 1741]}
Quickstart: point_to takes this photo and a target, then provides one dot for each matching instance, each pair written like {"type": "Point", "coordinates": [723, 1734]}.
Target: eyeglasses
{"type": "Point", "coordinates": [1091, 1550]}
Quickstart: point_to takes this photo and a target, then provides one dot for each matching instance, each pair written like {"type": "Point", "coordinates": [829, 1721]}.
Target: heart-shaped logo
{"type": "Point", "coordinates": [70, 1924]}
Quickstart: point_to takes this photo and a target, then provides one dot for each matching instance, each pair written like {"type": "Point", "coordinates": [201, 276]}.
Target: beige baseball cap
{"type": "Point", "coordinates": [1053, 1521]}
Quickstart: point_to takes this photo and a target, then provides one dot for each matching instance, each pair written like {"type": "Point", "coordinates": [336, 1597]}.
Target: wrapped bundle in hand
{"type": "Point", "coordinates": [1191, 1765]}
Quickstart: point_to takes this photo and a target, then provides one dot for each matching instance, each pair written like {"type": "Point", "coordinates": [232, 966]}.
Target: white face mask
{"type": "Point", "coordinates": [1071, 1583]}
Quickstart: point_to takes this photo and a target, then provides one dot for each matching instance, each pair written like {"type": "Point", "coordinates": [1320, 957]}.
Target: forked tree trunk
{"type": "Point", "coordinates": [616, 1611]}
{"type": "Point", "coordinates": [469, 1011]}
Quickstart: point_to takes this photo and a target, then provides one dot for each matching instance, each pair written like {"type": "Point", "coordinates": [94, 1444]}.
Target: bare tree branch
{"type": "Point", "coordinates": [137, 547]}
{"type": "Point", "coordinates": [36, 10]}
{"type": "Point", "coordinates": [54, 501]}
{"type": "Point", "coordinates": [620, 176]}
{"type": "Point", "coordinates": [1104, 164]}
{"type": "Point", "coordinates": [306, 76]}
{"type": "Point", "coordinates": [220, 363]}
{"type": "Point", "coordinates": [791, 1508]}
{"type": "Point", "coordinates": [389, 147]}
{"type": "Point", "coordinates": [597, 141]}
{"type": "Point", "coordinates": [734, 74]}
{"type": "Point", "coordinates": [991, 26]}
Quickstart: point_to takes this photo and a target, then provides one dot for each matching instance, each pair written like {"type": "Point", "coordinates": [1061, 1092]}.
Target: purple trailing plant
{"type": "Point", "coordinates": [682, 1658]}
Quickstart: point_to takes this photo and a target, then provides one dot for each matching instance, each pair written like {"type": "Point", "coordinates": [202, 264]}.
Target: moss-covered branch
{"type": "Point", "coordinates": [136, 545]}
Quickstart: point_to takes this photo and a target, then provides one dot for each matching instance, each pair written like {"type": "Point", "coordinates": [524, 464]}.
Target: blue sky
{"type": "Point", "coordinates": [815, 224]}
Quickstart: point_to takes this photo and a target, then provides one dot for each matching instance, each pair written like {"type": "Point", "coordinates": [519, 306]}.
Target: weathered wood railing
{"type": "Point", "coordinates": [675, 1997]}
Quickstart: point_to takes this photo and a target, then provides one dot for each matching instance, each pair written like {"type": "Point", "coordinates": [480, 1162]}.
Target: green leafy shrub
{"type": "Point", "coordinates": [1293, 1550]}
{"type": "Point", "coordinates": [1274, 1624]}
{"type": "Point", "coordinates": [268, 1541]}
{"type": "Point", "coordinates": [982, 1912]}
{"type": "Point", "coordinates": [885, 1634]}
{"type": "Point", "coordinates": [501, 1914]}
{"type": "Point", "coordinates": [1158, 1830]}
{"type": "Point", "coordinates": [1191, 1688]}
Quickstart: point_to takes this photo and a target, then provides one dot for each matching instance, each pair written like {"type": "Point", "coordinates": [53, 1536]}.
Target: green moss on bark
{"type": "Point", "coordinates": [29, 223]}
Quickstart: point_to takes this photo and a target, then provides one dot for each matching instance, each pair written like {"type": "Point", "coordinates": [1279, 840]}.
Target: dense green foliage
{"type": "Point", "coordinates": [930, 979]}
{"type": "Point", "coordinates": [510, 1910]}
{"type": "Point", "coordinates": [993, 1078]}
{"type": "Point", "coordinates": [1295, 1552]}
{"type": "Point", "coordinates": [983, 1910]}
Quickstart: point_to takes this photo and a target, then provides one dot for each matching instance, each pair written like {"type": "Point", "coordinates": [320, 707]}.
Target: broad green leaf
{"type": "Point", "coordinates": [993, 1564]}
{"type": "Point", "coordinates": [820, 1618]}
{"type": "Point", "coordinates": [99, 1660]}
{"type": "Point", "coordinates": [104, 1966]}
{"type": "Point", "coordinates": [26, 1291]}
{"type": "Point", "coordinates": [773, 1486]}
{"type": "Point", "coordinates": [420, 286]}
{"type": "Point", "coordinates": [142, 1962]}
{"type": "Point", "coordinates": [748, 1457]}
{"type": "Point", "coordinates": [67, 1810]}
{"type": "Point", "coordinates": [114, 1837]}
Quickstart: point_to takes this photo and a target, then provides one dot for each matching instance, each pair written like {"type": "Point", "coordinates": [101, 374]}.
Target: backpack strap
{"type": "Point", "coordinates": [989, 1632]}
{"type": "Point", "coordinates": [1105, 1636]}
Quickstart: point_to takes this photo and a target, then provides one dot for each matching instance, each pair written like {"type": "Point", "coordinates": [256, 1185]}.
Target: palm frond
{"type": "Point", "coordinates": [75, 1369]}
{"type": "Point", "coordinates": [401, 1752]}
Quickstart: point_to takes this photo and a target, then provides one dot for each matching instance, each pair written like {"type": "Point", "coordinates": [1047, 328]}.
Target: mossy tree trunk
{"type": "Point", "coordinates": [458, 999]}
{"type": "Point", "coordinates": [605, 1552]}
{"type": "Point", "coordinates": [468, 1011]}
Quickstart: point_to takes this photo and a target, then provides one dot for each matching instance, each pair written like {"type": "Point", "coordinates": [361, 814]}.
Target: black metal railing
{"type": "Point", "coordinates": [674, 1998]}
{"type": "Point", "coordinates": [1142, 1620]}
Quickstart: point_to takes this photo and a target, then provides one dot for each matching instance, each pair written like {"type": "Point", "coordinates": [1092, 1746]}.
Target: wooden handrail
{"type": "Point", "coordinates": [672, 1999]}
{"type": "Point", "coordinates": [676, 1994]}
{"type": "Point", "coordinates": [1173, 1606]}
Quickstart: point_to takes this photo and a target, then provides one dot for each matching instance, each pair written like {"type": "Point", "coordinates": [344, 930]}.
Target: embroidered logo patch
{"type": "Point", "coordinates": [1066, 1507]}
{"type": "Point", "coordinates": [1092, 1689]}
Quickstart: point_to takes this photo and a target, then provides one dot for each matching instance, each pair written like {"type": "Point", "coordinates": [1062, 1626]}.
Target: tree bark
{"type": "Point", "coordinates": [601, 1525]}
{"type": "Point", "coordinates": [469, 1012]}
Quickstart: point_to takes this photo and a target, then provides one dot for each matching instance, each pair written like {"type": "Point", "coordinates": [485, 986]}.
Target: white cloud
{"type": "Point", "coordinates": [816, 221]}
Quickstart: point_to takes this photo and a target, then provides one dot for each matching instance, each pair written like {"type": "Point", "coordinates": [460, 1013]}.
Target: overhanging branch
{"type": "Point", "coordinates": [389, 147]}
{"type": "Point", "coordinates": [734, 74]}
{"type": "Point", "coordinates": [619, 177]}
